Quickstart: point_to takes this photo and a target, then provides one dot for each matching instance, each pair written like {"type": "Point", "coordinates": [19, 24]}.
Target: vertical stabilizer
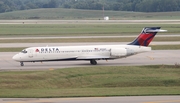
{"type": "Point", "coordinates": [146, 36]}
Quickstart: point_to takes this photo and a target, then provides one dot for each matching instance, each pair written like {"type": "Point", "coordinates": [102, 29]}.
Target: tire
{"type": "Point", "coordinates": [93, 62]}
{"type": "Point", "coordinates": [21, 63]}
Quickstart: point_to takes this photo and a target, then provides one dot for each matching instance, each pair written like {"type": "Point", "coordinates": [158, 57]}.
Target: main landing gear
{"type": "Point", "coordinates": [93, 62]}
{"type": "Point", "coordinates": [21, 63]}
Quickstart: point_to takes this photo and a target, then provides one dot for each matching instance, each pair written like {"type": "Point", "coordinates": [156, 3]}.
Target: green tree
{"type": "Point", "coordinates": [53, 4]}
{"type": "Point", "coordinates": [118, 5]}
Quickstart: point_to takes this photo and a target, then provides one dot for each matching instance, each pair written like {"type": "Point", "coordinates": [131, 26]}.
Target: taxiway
{"type": "Point", "coordinates": [129, 99]}
{"type": "Point", "coordinates": [155, 57]}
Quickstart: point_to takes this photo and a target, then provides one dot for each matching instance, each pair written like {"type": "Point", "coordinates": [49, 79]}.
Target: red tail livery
{"type": "Point", "coordinates": [146, 36]}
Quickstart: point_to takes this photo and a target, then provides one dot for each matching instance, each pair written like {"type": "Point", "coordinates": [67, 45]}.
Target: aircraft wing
{"type": "Point", "coordinates": [92, 57]}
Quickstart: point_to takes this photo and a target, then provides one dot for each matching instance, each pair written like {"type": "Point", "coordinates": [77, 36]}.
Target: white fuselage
{"type": "Point", "coordinates": [95, 52]}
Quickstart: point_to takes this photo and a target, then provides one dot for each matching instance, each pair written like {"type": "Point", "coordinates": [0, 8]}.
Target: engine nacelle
{"type": "Point", "coordinates": [121, 52]}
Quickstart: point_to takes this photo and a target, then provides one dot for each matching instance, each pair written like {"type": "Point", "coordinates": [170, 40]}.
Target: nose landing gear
{"type": "Point", "coordinates": [21, 63]}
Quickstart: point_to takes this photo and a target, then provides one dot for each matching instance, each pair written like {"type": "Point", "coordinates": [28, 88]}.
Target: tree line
{"type": "Point", "coordinates": [116, 5]}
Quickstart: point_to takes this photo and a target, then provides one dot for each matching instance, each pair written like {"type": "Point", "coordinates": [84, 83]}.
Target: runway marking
{"type": "Point", "coordinates": [150, 57]}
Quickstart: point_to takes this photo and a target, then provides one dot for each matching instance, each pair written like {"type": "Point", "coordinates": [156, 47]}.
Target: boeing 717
{"type": "Point", "coordinates": [90, 53]}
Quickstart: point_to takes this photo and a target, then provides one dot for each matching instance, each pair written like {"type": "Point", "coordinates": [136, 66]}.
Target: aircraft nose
{"type": "Point", "coordinates": [16, 57]}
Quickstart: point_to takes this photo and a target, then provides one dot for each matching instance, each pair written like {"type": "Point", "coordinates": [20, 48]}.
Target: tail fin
{"type": "Point", "coordinates": [146, 36]}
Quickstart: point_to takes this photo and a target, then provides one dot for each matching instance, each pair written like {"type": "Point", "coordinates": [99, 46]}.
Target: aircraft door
{"type": "Point", "coordinates": [30, 53]}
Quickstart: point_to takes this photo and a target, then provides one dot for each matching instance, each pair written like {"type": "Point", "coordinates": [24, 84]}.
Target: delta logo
{"type": "Point", "coordinates": [37, 50]}
{"type": "Point", "coordinates": [47, 50]}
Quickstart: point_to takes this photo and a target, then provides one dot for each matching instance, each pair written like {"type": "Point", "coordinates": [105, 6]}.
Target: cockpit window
{"type": "Point", "coordinates": [23, 51]}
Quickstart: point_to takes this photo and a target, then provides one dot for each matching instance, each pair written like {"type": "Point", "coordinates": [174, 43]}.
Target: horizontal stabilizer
{"type": "Point", "coordinates": [156, 30]}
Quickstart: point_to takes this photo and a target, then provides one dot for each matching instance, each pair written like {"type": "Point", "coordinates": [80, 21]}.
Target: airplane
{"type": "Point", "coordinates": [90, 53]}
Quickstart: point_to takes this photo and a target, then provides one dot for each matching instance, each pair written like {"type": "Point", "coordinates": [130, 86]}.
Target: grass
{"type": "Point", "coordinates": [88, 92]}
{"type": "Point", "coordinates": [11, 49]}
{"type": "Point", "coordinates": [165, 47]}
{"type": "Point", "coordinates": [75, 14]}
{"type": "Point", "coordinates": [35, 30]}
{"type": "Point", "coordinates": [92, 81]}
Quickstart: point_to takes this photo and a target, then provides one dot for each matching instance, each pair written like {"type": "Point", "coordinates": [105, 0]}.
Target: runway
{"type": "Point", "coordinates": [17, 45]}
{"type": "Point", "coordinates": [89, 21]}
{"type": "Point", "coordinates": [155, 57]}
{"type": "Point", "coordinates": [129, 99]}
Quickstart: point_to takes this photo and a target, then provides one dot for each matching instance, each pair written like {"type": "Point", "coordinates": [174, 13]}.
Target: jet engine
{"type": "Point", "coordinates": [121, 52]}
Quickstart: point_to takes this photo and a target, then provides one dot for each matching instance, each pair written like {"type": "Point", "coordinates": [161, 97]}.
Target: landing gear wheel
{"type": "Point", "coordinates": [21, 63]}
{"type": "Point", "coordinates": [93, 62]}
